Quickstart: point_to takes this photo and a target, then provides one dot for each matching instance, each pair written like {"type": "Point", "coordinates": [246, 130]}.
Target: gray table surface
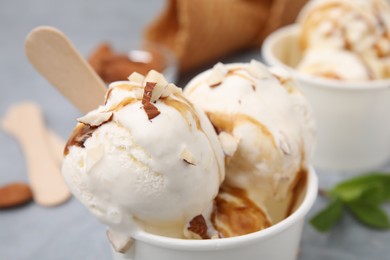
{"type": "Point", "coordinates": [69, 231]}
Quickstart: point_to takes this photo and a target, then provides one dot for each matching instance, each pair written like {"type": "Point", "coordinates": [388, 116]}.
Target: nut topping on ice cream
{"type": "Point", "coordinates": [150, 109]}
{"type": "Point", "coordinates": [136, 174]}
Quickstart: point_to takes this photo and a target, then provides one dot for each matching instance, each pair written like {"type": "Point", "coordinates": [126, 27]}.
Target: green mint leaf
{"type": "Point", "coordinates": [369, 214]}
{"type": "Point", "coordinates": [373, 194]}
{"type": "Point", "coordinates": [356, 188]}
{"type": "Point", "coordinates": [328, 217]}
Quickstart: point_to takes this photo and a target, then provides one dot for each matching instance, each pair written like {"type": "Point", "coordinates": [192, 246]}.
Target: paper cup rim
{"type": "Point", "coordinates": [270, 59]}
{"type": "Point", "coordinates": [234, 242]}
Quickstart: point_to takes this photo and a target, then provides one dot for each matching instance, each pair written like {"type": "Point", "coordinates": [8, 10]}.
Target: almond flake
{"type": "Point", "coordinates": [258, 70]}
{"type": "Point", "coordinates": [187, 157]}
{"type": "Point", "coordinates": [281, 74]}
{"type": "Point", "coordinates": [119, 242]}
{"type": "Point", "coordinates": [95, 118]}
{"type": "Point", "coordinates": [151, 110]}
{"type": "Point", "coordinates": [170, 89]}
{"type": "Point", "coordinates": [136, 77]}
{"type": "Point", "coordinates": [158, 78]}
{"type": "Point", "coordinates": [283, 144]}
{"type": "Point", "coordinates": [148, 91]}
{"type": "Point", "coordinates": [217, 75]}
{"type": "Point", "coordinates": [228, 142]}
{"type": "Point", "coordinates": [139, 93]}
{"type": "Point", "coordinates": [198, 227]}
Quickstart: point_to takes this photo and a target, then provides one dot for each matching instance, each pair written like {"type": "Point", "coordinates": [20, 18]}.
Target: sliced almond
{"type": "Point", "coordinates": [283, 144]}
{"type": "Point", "coordinates": [148, 91]}
{"type": "Point", "coordinates": [280, 73]}
{"type": "Point", "coordinates": [228, 142]}
{"type": "Point", "coordinates": [187, 156]}
{"type": "Point", "coordinates": [119, 242]}
{"type": "Point", "coordinates": [136, 77]}
{"type": "Point", "coordinates": [139, 93]}
{"type": "Point", "coordinates": [95, 118]}
{"type": "Point", "coordinates": [217, 75]}
{"type": "Point", "coordinates": [170, 89]}
{"type": "Point", "coordinates": [158, 78]}
{"type": "Point", "coordinates": [258, 70]}
{"type": "Point", "coordinates": [151, 110]}
{"type": "Point", "coordinates": [197, 228]}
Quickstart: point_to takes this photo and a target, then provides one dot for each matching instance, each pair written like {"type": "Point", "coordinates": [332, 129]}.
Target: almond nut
{"type": "Point", "coordinates": [258, 70]}
{"type": "Point", "coordinates": [158, 78]}
{"type": "Point", "coordinates": [136, 77]}
{"type": "Point", "coordinates": [170, 89]}
{"type": "Point", "coordinates": [119, 242]}
{"type": "Point", "coordinates": [187, 156]}
{"type": "Point", "coordinates": [228, 142]}
{"type": "Point", "coordinates": [14, 194]}
{"type": "Point", "coordinates": [95, 118]}
{"type": "Point", "coordinates": [151, 110]}
{"type": "Point", "coordinates": [198, 228]}
{"type": "Point", "coordinates": [217, 75]}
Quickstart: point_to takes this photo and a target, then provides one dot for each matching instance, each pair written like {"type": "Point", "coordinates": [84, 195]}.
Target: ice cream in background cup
{"type": "Point", "coordinates": [343, 70]}
{"type": "Point", "coordinates": [220, 170]}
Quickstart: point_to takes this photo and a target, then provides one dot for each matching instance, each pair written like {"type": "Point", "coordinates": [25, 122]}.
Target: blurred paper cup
{"type": "Point", "coordinates": [353, 118]}
{"type": "Point", "coordinates": [280, 241]}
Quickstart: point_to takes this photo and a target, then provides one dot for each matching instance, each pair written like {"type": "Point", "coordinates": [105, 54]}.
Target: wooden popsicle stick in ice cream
{"type": "Point", "coordinates": [24, 121]}
{"type": "Point", "coordinates": [55, 58]}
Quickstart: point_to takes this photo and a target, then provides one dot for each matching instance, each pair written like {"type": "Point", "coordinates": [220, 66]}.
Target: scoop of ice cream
{"type": "Point", "coordinates": [264, 125]}
{"type": "Point", "coordinates": [358, 27]}
{"type": "Point", "coordinates": [147, 159]}
{"type": "Point", "coordinates": [335, 64]}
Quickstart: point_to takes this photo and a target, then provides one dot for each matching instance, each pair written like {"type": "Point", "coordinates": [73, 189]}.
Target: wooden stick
{"type": "Point", "coordinates": [56, 147]}
{"type": "Point", "coordinates": [56, 59]}
{"type": "Point", "coordinates": [24, 121]}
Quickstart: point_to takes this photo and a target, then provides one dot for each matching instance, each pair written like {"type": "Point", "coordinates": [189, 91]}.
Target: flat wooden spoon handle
{"type": "Point", "coordinates": [56, 59]}
{"type": "Point", "coordinates": [24, 121]}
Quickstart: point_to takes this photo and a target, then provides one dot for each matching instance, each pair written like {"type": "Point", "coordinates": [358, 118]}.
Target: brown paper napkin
{"type": "Point", "coordinates": [202, 31]}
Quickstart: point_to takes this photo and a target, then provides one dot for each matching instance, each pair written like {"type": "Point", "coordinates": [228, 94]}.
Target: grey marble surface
{"type": "Point", "coordinates": [69, 231]}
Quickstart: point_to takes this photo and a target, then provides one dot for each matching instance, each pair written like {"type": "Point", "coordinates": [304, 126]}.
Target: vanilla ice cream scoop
{"type": "Point", "coordinates": [264, 125]}
{"type": "Point", "coordinates": [349, 31]}
{"type": "Point", "coordinates": [147, 159]}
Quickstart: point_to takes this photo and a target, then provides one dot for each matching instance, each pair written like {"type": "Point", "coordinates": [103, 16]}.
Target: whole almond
{"type": "Point", "coordinates": [14, 194]}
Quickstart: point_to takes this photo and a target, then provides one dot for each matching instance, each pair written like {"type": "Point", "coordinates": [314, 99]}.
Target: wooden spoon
{"type": "Point", "coordinates": [24, 121]}
{"type": "Point", "coordinates": [56, 59]}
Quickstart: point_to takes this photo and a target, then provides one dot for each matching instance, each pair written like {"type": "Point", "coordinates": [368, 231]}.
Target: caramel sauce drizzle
{"type": "Point", "coordinates": [123, 87]}
{"type": "Point", "coordinates": [84, 131]}
{"type": "Point", "coordinates": [235, 72]}
{"type": "Point", "coordinates": [227, 122]}
{"type": "Point", "coordinates": [238, 216]}
{"type": "Point", "coordinates": [79, 135]}
{"type": "Point", "coordinates": [123, 103]}
{"type": "Point", "coordinates": [183, 106]}
{"type": "Point", "coordinates": [298, 186]}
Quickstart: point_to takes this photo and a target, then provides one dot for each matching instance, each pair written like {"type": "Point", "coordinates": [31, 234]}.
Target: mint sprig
{"type": "Point", "coordinates": [362, 197]}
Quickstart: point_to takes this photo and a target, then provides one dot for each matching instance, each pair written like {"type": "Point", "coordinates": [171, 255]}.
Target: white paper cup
{"type": "Point", "coordinates": [279, 242]}
{"type": "Point", "coordinates": [353, 118]}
